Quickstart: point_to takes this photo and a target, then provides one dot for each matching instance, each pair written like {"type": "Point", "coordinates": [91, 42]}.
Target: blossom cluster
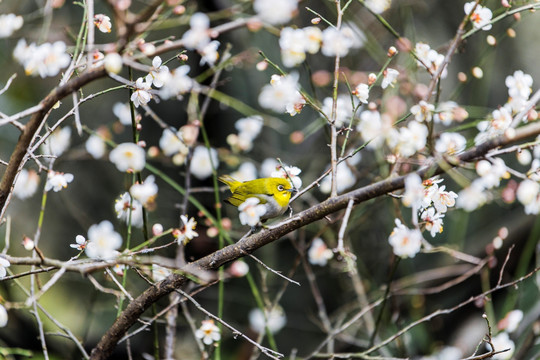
{"type": "Point", "coordinates": [44, 60]}
{"type": "Point", "coordinates": [248, 129]}
{"type": "Point", "coordinates": [429, 202]}
{"type": "Point", "coordinates": [295, 43]}
{"type": "Point", "coordinates": [282, 95]}
{"type": "Point", "coordinates": [9, 23]}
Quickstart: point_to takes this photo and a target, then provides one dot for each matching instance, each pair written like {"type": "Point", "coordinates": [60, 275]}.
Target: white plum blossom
{"type": "Point", "coordinates": [319, 253]}
{"type": "Point", "coordinates": [208, 332]}
{"type": "Point", "coordinates": [500, 342]}
{"type": "Point", "coordinates": [472, 197]}
{"type": "Point", "coordinates": [511, 321]}
{"type": "Point", "coordinates": [295, 43]}
{"type": "Point", "coordinates": [414, 195]}
{"type": "Point", "coordinates": [524, 157]}
{"type": "Point", "coordinates": [80, 243]}
{"type": "Point", "coordinates": [128, 157]}
{"type": "Point", "coordinates": [238, 268]}
{"type": "Point", "coordinates": [122, 112]}
{"type": "Point", "coordinates": [157, 70]}
{"type": "Point", "coordinates": [344, 109]}
{"type": "Point", "coordinates": [251, 211]}
{"type": "Point", "coordinates": [500, 121]}
{"type": "Point", "coordinates": [292, 44]}
{"type": "Point", "coordinates": [527, 192]}
{"type": "Point", "coordinates": [290, 173]}
{"type": "Point", "coordinates": [9, 23]}
{"type": "Point", "coordinates": [3, 316]}
{"type": "Point", "coordinates": [58, 142]}
{"type": "Point", "coordinates": [533, 208]}
{"type": "Point", "coordinates": [57, 181]}
{"type": "Point", "coordinates": [103, 23]}
{"type": "Point", "coordinates": [446, 353]}
{"type": "Point", "coordinates": [481, 17]}
{"type": "Point", "coordinates": [450, 143]}
{"type": "Point", "coordinates": [374, 128]}
{"type": "Point", "coordinates": [405, 242]}
{"type": "Point", "coordinates": [142, 95]}
{"type": "Point", "coordinates": [197, 37]}
{"type": "Point", "coordinates": [4, 263]}
{"type": "Point", "coordinates": [209, 53]}
{"type": "Point", "coordinates": [175, 83]}
{"type": "Point", "coordinates": [492, 172]}
{"type": "Point", "coordinates": [26, 184]}
{"type": "Point", "coordinates": [274, 320]}
{"type": "Point", "coordinates": [429, 58]}
{"type": "Point", "coordinates": [268, 166]}
{"type": "Point", "coordinates": [187, 232]}
{"type": "Point", "coordinates": [113, 62]}
{"type": "Point", "coordinates": [203, 162]}
{"type": "Point", "coordinates": [103, 241]}
{"type": "Point", "coordinates": [129, 210]}
{"type": "Point", "coordinates": [519, 84]}
{"type": "Point", "coordinates": [247, 171]}
{"type": "Point", "coordinates": [171, 143]}
{"type": "Point", "coordinates": [97, 59]}
{"type": "Point", "coordinates": [433, 221]}
{"type": "Point", "coordinates": [378, 6]}
{"type": "Point", "coordinates": [44, 60]}
{"type": "Point", "coordinates": [337, 42]}
{"type": "Point", "coordinates": [344, 176]}
{"type": "Point", "coordinates": [534, 171]}
{"type": "Point", "coordinates": [445, 112]}
{"type": "Point", "coordinates": [423, 111]}
{"type": "Point", "coordinates": [312, 39]}
{"type": "Point", "coordinates": [95, 146]}
{"type": "Point", "coordinates": [275, 12]}
{"type": "Point", "coordinates": [389, 77]}
{"type": "Point", "coordinates": [249, 126]}
{"type": "Point", "coordinates": [406, 141]}
{"type": "Point", "coordinates": [442, 199]}
{"type": "Point", "coordinates": [282, 94]}
{"type": "Point", "coordinates": [146, 192]}
{"type": "Point", "coordinates": [362, 92]}
{"type": "Point", "coordinates": [159, 272]}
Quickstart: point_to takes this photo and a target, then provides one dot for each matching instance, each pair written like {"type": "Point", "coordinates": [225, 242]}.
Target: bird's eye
{"type": "Point", "coordinates": [280, 188]}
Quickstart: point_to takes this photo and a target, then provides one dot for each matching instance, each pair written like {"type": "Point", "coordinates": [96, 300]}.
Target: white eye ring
{"type": "Point", "coordinates": [280, 188]}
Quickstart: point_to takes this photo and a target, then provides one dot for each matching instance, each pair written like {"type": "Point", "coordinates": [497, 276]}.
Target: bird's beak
{"type": "Point", "coordinates": [292, 191]}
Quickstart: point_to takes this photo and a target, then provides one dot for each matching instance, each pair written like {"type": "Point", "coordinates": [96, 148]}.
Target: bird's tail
{"type": "Point", "coordinates": [229, 181]}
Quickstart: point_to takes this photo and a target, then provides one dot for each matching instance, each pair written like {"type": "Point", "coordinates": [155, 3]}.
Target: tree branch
{"type": "Point", "coordinates": [251, 243]}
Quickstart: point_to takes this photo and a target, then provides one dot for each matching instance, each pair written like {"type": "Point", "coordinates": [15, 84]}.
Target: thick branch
{"type": "Point", "coordinates": [249, 244]}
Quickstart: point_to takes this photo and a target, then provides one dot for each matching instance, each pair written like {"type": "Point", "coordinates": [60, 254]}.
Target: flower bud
{"type": "Point", "coordinates": [477, 72]}
{"type": "Point", "coordinates": [372, 78]}
{"type": "Point", "coordinates": [261, 65]}
{"type": "Point", "coordinates": [113, 63]}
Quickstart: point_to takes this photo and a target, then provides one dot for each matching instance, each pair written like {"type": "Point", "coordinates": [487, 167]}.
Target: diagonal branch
{"type": "Point", "coordinates": [251, 243]}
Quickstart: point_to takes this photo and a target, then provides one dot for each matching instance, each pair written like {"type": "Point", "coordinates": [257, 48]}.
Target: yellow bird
{"type": "Point", "coordinates": [273, 193]}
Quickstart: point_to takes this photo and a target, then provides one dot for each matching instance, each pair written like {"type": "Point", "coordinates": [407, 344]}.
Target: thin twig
{"type": "Point", "coordinates": [340, 248]}
{"type": "Point", "coordinates": [8, 83]}
{"type": "Point", "coordinates": [268, 352]}
{"type": "Point", "coordinates": [501, 273]}
{"type": "Point", "coordinates": [278, 273]}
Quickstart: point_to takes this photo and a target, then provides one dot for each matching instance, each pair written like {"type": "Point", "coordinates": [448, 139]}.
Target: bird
{"type": "Point", "coordinates": [273, 193]}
